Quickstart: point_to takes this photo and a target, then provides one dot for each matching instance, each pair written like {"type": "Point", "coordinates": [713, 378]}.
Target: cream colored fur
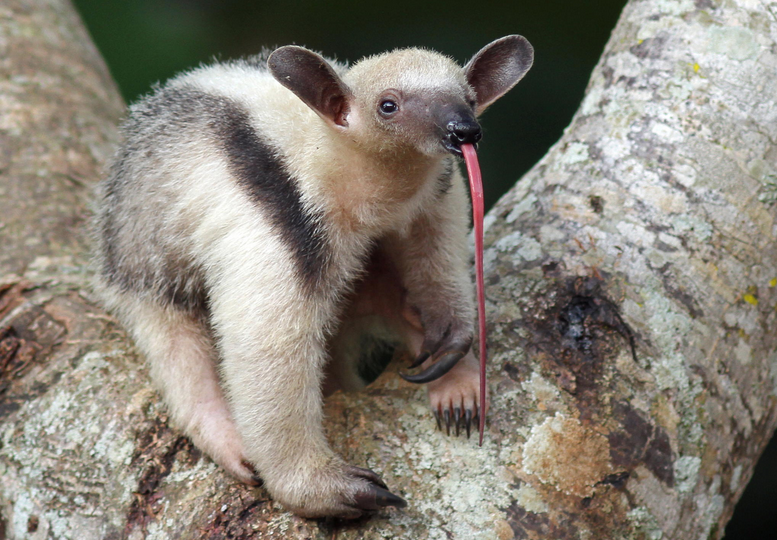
{"type": "Point", "coordinates": [261, 408]}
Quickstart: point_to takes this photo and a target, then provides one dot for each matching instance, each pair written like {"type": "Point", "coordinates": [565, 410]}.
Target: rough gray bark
{"type": "Point", "coordinates": [632, 284]}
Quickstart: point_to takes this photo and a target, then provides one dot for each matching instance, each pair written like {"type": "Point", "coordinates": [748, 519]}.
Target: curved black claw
{"type": "Point", "coordinates": [376, 498]}
{"type": "Point", "coordinates": [454, 418]}
{"type": "Point", "coordinates": [436, 370]}
{"type": "Point", "coordinates": [420, 360]}
{"type": "Point", "coordinates": [367, 474]}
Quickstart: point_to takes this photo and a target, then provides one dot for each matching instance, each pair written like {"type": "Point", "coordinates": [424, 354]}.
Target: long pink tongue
{"type": "Point", "coordinates": [476, 188]}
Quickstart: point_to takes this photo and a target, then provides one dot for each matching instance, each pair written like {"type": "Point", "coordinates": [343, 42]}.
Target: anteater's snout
{"type": "Point", "coordinates": [461, 131]}
{"type": "Point", "coordinates": [456, 123]}
{"type": "Point", "coordinates": [464, 132]}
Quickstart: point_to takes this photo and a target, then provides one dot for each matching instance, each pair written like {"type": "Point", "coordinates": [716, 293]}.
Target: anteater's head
{"type": "Point", "coordinates": [406, 100]}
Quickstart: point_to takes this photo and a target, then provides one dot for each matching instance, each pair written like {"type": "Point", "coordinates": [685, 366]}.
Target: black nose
{"type": "Point", "coordinates": [463, 132]}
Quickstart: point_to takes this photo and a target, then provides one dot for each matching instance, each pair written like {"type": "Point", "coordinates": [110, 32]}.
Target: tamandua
{"type": "Point", "coordinates": [271, 224]}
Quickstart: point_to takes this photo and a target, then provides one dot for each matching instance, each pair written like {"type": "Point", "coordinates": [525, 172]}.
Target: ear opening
{"type": "Point", "coordinates": [497, 67]}
{"type": "Point", "coordinates": [313, 80]}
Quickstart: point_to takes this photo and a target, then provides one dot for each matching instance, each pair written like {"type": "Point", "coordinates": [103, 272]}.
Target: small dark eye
{"type": "Point", "coordinates": [388, 107]}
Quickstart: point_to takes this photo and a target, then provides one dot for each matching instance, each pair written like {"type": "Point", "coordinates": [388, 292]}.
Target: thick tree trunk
{"type": "Point", "coordinates": [632, 284]}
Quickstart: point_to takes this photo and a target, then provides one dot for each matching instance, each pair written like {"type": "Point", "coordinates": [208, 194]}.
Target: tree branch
{"type": "Point", "coordinates": [632, 284]}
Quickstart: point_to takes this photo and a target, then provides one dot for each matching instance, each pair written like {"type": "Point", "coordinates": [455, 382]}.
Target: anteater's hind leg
{"type": "Point", "coordinates": [182, 363]}
{"type": "Point", "coordinates": [371, 330]}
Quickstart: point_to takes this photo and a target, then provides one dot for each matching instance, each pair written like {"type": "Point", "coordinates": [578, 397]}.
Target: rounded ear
{"type": "Point", "coordinates": [313, 80]}
{"type": "Point", "coordinates": [497, 67]}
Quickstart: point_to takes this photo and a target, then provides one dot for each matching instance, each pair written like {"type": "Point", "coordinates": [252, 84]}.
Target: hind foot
{"type": "Point", "coordinates": [213, 431]}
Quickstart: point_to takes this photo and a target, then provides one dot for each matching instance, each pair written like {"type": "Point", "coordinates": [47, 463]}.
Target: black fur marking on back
{"type": "Point", "coordinates": [445, 180]}
{"type": "Point", "coordinates": [269, 184]}
{"type": "Point", "coordinates": [140, 254]}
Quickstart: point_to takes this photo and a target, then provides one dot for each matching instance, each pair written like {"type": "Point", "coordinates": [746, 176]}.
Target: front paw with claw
{"type": "Point", "coordinates": [442, 349]}
{"type": "Point", "coordinates": [455, 396]}
{"type": "Point", "coordinates": [339, 490]}
{"type": "Point", "coordinates": [376, 496]}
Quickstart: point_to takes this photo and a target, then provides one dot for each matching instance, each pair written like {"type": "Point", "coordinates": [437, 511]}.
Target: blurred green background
{"type": "Point", "coordinates": [145, 41]}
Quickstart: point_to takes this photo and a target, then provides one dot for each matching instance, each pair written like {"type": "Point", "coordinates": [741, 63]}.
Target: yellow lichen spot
{"type": "Point", "coordinates": [696, 68]}
{"type": "Point", "coordinates": [773, 282]}
{"type": "Point", "coordinates": [750, 299]}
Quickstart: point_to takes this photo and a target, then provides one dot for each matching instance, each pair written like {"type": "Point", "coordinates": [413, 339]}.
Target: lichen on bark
{"type": "Point", "coordinates": [660, 190]}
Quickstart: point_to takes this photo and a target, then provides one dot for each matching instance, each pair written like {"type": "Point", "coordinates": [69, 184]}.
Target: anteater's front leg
{"type": "Point", "coordinates": [271, 338]}
{"type": "Point", "coordinates": [433, 261]}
